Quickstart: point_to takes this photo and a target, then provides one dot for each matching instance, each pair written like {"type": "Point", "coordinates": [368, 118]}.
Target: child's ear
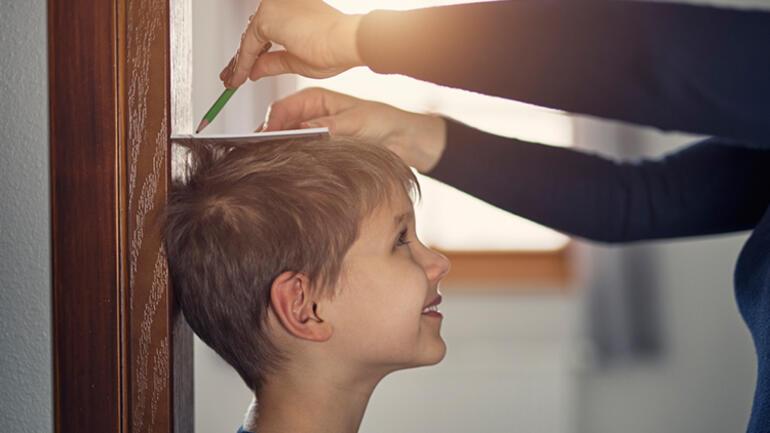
{"type": "Point", "coordinates": [296, 310]}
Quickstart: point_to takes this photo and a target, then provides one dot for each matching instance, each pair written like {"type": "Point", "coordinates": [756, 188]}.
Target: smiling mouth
{"type": "Point", "coordinates": [432, 308]}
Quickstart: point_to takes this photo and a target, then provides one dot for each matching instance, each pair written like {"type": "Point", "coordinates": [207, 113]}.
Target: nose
{"type": "Point", "coordinates": [436, 265]}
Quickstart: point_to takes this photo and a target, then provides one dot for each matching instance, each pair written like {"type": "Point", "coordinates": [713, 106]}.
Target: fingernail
{"type": "Point", "coordinates": [227, 70]}
{"type": "Point", "coordinates": [234, 79]}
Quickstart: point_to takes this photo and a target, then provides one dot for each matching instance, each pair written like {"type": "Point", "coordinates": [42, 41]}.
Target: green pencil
{"type": "Point", "coordinates": [225, 96]}
{"type": "Point", "coordinates": [215, 109]}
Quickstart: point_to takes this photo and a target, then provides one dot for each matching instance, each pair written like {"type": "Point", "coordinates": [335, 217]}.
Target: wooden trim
{"type": "Point", "coordinates": [146, 119]}
{"type": "Point", "coordinates": [122, 355]}
{"type": "Point", "coordinates": [509, 271]}
{"type": "Point", "coordinates": [86, 286]}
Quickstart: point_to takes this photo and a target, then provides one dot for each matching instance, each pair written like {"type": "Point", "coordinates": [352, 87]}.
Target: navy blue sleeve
{"type": "Point", "coordinates": [713, 186]}
{"type": "Point", "coordinates": [679, 67]}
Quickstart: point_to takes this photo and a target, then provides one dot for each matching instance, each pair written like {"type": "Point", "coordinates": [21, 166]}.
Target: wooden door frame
{"type": "Point", "coordinates": [122, 354]}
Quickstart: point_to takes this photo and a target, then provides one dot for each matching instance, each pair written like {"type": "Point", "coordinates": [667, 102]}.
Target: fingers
{"type": "Point", "coordinates": [225, 74]}
{"type": "Point", "coordinates": [328, 122]}
{"type": "Point", "coordinates": [278, 62]}
{"type": "Point", "coordinates": [346, 124]}
{"type": "Point", "coordinates": [305, 105]}
{"type": "Point", "coordinates": [358, 123]}
{"type": "Point", "coordinates": [251, 48]}
{"type": "Point", "coordinates": [319, 40]}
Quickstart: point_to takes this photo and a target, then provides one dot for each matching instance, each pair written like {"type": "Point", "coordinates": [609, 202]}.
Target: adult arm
{"type": "Point", "coordinates": [712, 186]}
{"type": "Point", "coordinates": [673, 66]}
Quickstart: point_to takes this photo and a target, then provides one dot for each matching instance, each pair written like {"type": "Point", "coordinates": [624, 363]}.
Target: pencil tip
{"type": "Point", "coordinates": [204, 123]}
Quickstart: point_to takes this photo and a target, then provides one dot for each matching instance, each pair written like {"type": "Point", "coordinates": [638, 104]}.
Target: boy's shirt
{"type": "Point", "coordinates": [249, 418]}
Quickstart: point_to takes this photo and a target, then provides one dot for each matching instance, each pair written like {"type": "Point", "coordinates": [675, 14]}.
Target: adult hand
{"type": "Point", "coordinates": [419, 139]}
{"type": "Point", "coordinates": [319, 41]}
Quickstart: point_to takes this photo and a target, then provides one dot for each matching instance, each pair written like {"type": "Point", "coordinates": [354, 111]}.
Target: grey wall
{"type": "Point", "coordinates": [25, 337]}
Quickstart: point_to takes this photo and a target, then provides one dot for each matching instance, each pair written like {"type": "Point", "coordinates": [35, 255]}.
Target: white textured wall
{"type": "Point", "coordinates": [25, 337]}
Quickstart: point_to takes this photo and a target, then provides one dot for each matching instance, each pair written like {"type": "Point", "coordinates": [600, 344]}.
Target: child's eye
{"type": "Point", "coordinates": [402, 239]}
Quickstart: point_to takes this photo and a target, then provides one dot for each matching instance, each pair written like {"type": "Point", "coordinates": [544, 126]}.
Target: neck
{"type": "Point", "coordinates": [313, 402]}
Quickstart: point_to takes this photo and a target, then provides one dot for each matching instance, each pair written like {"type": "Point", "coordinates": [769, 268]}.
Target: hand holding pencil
{"type": "Point", "coordinates": [222, 100]}
{"type": "Point", "coordinates": [319, 42]}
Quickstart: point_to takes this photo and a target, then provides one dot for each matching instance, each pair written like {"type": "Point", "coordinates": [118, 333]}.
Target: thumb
{"type": "Point", "coordinates": [345, 124]}
{"type": "Point", "coordinates": [277, 63]}
{"type": "Point", "coordinates": [322, 122]}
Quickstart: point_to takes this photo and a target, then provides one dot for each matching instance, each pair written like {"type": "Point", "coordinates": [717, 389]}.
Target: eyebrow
{"type": "Point", "coordinates": [400, 218]}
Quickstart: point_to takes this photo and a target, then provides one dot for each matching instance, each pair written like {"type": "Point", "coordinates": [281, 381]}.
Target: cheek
{"type": "Point", "coordinates": [397, 295]}
{"type": "Point", "coordinates": [386, 302]}
{"type": "Point", "coordinates": [380, 312]}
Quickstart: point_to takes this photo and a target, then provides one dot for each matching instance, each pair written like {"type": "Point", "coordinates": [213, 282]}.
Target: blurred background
{"type": "Point", "coordinates": [557, 336]}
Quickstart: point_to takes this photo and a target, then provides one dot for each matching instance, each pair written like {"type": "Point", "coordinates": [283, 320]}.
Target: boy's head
{"type": "Point", "coordinates": [275, 248]}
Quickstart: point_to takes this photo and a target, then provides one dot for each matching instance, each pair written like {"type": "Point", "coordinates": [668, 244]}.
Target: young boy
{"type": "Point", "coordinates": [298, 263]}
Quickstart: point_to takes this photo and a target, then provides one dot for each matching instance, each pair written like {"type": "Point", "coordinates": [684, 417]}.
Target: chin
{"type": "Point", "coordinates": [442, 353]}
{"type": "Point", "coordinates": [433, 355]}
{"type": "Point", "coordinates": [429, 355]}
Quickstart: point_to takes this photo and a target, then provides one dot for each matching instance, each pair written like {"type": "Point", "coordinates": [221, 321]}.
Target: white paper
{"type": "Point", "coordinates": [255, 136]}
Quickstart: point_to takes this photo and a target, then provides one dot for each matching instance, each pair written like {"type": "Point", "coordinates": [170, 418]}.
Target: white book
{"type": "Point", "coordinates": [255, 137]}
